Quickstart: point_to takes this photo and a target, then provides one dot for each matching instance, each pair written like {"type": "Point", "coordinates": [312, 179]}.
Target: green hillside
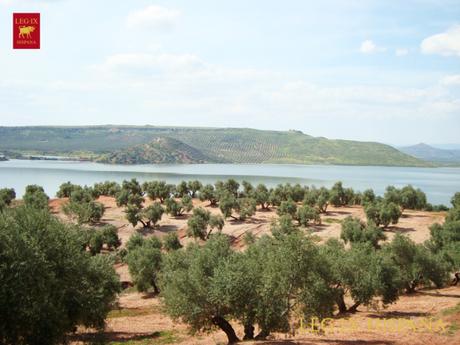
{"type": "Point", "coordinates": [161, 150]}
{"type": "Point", "coordinates": [126, 145]}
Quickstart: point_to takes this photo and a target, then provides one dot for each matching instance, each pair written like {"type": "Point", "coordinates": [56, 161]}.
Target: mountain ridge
{"type": "Point", "coordinates": [432, 154]}
{"type": "Point", "coordinates": [202, 144]}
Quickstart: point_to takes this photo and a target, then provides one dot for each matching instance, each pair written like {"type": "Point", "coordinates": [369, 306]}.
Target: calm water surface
{"type": "Point", "coordinates": [438, 183]}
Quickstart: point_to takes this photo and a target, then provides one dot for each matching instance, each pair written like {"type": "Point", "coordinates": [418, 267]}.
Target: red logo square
{"type": "Point", "coordinates": [26, 30]}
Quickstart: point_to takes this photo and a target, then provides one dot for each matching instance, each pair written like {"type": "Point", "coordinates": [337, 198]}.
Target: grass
{"type": "Point", "coordinates": [452, 314]}
{"type": "Point", "coordinates": [451, 311]}
{"type": "Point", "coordinates": [331, 220]}
{"type": "Point", "coordinates": [156, 338]}
{"type": "Point", "coordinates": [129, 312]}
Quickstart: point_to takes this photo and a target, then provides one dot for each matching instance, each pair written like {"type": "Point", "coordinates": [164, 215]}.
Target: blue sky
{"type": "Point", "coordinates": [385, 71]}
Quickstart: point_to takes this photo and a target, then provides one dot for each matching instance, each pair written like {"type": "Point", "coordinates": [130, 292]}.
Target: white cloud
{"type": "Point", "coordinates": [152, 62]}
{"type": "Point", "coordinates": [153, 16]}
{"type": "Point", "coordinates": [446, 43]}
{"type": "Point", "coordinates": [451, 80]}
{"type": "Point", "coordinates": [369, 47]}
{"type": "Point", "coordinates": [401, 52]}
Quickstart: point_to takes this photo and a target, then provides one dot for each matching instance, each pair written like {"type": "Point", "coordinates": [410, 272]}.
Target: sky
{"type": "Point", "coordinates": [386, 71]}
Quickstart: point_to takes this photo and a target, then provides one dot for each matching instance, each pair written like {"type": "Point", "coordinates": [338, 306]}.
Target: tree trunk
{"type": "Point", "coordinates": [248, 331]}
{"type": "Point", "coordinates": [156, 290]}
{"type": "Point", "coordinates": [341, 304]}
{"type": "Point", "coordinates": [223, 324]}
{"type": "Point", "coordinates": [354, 307]}
{"type": "Point", "coordinates": [263, 334]}
{"type": "Point", "coordinates": [410, 287]}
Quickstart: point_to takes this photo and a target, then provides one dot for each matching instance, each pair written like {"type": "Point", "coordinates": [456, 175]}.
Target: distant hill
{"type": "Point", "coordinates": [161, 150]}
{"type": "Point", "coordinates": [432, 154]}
{"type": "Point", "coordinates": [149, 144]}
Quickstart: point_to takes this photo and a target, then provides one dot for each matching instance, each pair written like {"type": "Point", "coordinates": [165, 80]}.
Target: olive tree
{"type": "Point", "coordinates": [7, 195]}
{"type": "Point", "coordinates": [262, 196]}
{"type": "Point", "coordinates": [355, 231]}
{"type": "Point", "coordinates": [144, 263]}
{"type": "Point", "coordinates": [306, 214]}
{"type": "Point", "coordinates": [148, 216]}
{"type": "Point", "coordinates": [49, 280]}
{"type": "Point", "coordinates": [208, 192]}
{"type": "Point", "coordinates": [382, 213]}
{"type": "Point", "coordinates": [81, 205]}
{"type": "Point", "coordinates": [66, 189]}
{"type": "Point", "coordinates": [194, 187]}
{"type": "Point", "coordinates": [362, 272]}
{"type": "Point", "coordinates": [158, 190]}
{"type": "Point", "coordinates": [202, 223]}
{"type": "Point", "coordinates": [35, 197]}
{"type": "Point", "coordinates": [131, 193]}
{"type": "Point", "coordinates": [416, 264]}
{"type": "Point", "coordinates": [107, 188]}
{"type": "Point", "coordinates": [178, 208]}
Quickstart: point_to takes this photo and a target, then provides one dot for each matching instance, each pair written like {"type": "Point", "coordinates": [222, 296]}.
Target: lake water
{"type": "Point", "coordinates": [438, 183]}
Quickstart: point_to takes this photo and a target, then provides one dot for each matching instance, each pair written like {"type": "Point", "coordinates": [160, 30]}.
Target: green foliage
{"type": "Point", "coordinates": [177, 208]}
{"type": "Point", "coordinates": [413, 199]}
{"type": "Point", "coordinates": [407, 198]}
{"type": "Point", "coordinates": [249, 238]}
{"type": "Point", "coordinates": [368, 197]}
{"type": "Point", "coordinates": [243, 286]}
{"type": "Point", "coordinates": [7, 195]}
{"type": "Point", "coordinates": [158, 190]}
{"type": "Point", "coordinates": [66, 189]}
{"type": "Point", "coordinates": [171, 242]}
{"type": "Point", "coordinates": [208, 192]}
{"type": "Point", "coordinates": [202, 220]}
{"type": "Point", "coordinates": [288, 207]}
{"type": "Point", "coordinates": [186, 282]}
{"type": "Point", "coordinates": [136, 240]}
{"type": "Point", "coordinates": [148, 216]}
{"type": "Point", "coordinates": [130, 194]}
{"type": "Point", "coordinates": [455, 201]}
{"type": "Point", "coordinates": [248, 189]}
{"type": "Point", "coordinates": [35, 197]}
{"type": "Point", "coordinates": [181, 189]}
{"type": "Point", "coordinates": [194, 187]}
{"type": "Point", "coordinates": [110, 236]}
{"type": "Point", "coordinates": [382, 213]}
{"type": "Point", "coordinates": [84, 212]}
{"type": "Point", "coordinates": [245, 207]}
{"type": "Point", "coordinates": [144, 262]}
{"type": "Point", "coordinates": [416, 264]}
{"type": "Point", "coordinates": [306, 214]}
{"type": "Point", "coordinates": [322, 201]}
{"type": "Point", "coordinates": [283, 226]}
{"type": "Point", "coordinates": [362, 271]}
{"type": "Point", "coordinates": [355, 232]}
{"type": "Point", "coordinates": [49, 283]}
{"type": "Point", "coordinates": [227, 202]}
{"type": "Point", "coordinates": [262, 196]}
{"type": "Point", "coordinates": [107, 188]}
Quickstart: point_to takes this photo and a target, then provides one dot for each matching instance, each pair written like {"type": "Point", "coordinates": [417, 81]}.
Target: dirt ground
{"type": "Point", "coordinates": [421, 318]}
